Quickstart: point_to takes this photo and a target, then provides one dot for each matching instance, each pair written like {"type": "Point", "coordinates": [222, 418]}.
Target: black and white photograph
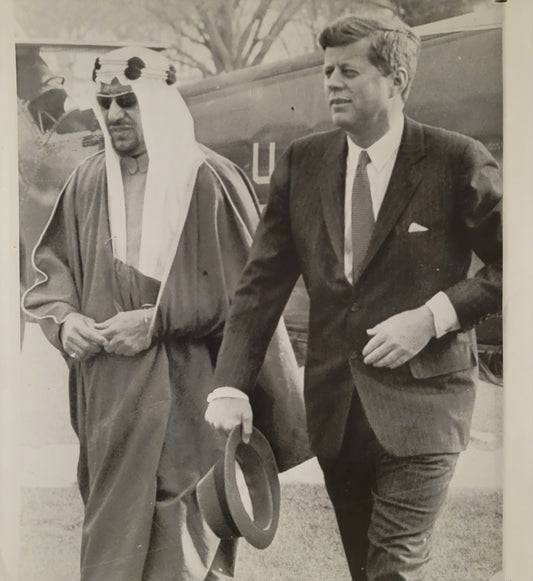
{"type": "Point", "coordinates": [267, 310]}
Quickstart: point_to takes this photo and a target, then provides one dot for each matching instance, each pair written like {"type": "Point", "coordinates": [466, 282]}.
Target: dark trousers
{"type": "Point", "coordinates": [385, 506]}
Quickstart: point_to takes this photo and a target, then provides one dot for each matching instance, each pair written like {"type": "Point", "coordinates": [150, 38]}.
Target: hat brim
{"type": "Point", "coordinates": [220, 500]}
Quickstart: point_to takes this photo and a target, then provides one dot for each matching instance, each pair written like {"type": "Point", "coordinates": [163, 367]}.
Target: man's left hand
{"type": "Point", "coordinates": [399, 338]}
{"type": "Point", "coordinates": [127, 333]}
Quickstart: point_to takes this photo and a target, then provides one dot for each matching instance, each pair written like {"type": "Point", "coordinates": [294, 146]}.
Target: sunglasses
{"type": "Point", "coordinates": [123, 100]}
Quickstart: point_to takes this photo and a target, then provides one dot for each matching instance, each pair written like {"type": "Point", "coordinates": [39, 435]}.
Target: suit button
{"type": "Point", "coordinates": [354, 355]}
{"type": "Point", "coordinates": [354, 307]}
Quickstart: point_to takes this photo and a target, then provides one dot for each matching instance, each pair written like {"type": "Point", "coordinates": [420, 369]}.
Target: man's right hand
{"type": "Point", "coordinates": [79, 337]}
{"type": "Point", "coordinates": [225, 413]}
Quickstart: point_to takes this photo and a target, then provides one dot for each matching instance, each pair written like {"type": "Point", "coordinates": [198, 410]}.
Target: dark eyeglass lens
{"type": "Point", "coordinates": [103, 101]}
{"type": "Point", "coordinates": [124, 101]}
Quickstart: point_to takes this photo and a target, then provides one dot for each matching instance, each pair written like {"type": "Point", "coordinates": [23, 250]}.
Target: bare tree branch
{"type": "Point", "coordinates": [276, 28]}
{"type": "Point", "coordinates": [232, 33]}
{"type": "Point", "coordinates": [183, 16]}
{"type": "Point", "coordinates": [224, 17]}
{"type": "Point", "coordinates": [255, 22]}
{"type": "Point", "coordinates": [244, 52]}
{"type": "Point", "coordinates": [183, 25]}
{"type": "Point", "coordinates": [180, 32]}
{"type": "Point", "coordinates": [185, 58]}
{"type": "Point", "coordinates": [217, 43]}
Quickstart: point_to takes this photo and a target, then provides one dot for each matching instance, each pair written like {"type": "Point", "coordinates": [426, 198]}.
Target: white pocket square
{"type": "Point", "coordinates": [414, 227]}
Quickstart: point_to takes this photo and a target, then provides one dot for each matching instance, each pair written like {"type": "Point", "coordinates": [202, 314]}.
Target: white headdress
{"type": "Point", "coordinates": [174, 156]}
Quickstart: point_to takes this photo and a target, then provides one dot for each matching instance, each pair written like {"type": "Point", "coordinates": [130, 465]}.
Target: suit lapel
{"type": "Point", "coordinates": [331, 181]}
{"type": "Point", "coordinates": [405, 178]}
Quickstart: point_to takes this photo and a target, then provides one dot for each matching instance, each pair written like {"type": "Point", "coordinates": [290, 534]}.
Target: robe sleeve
{"type": "Point", "coordinates": [56, 264]}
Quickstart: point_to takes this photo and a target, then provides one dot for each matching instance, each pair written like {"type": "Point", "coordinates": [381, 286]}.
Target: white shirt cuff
{"type": "Point", "coordinates": [221, 392]}
{"type": "Point", "coordinates": [444, 315]}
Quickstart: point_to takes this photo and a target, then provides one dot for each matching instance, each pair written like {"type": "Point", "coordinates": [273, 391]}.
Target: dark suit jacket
{"type": "Point", "coordinates": [444, 181]}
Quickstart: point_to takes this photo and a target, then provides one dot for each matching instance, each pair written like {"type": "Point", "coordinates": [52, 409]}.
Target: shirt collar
{"type": "Point", "coordinates": [384, 148]}
{"type": "Point", "coordinates": [134, 164]}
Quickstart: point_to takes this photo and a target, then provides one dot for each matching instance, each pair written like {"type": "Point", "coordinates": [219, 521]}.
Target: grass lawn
{"type": "Point", "coordinates": [467, 542]}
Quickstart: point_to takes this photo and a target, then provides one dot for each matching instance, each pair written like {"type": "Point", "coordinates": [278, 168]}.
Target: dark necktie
{"type": "Point", "coordinates": [362, 214]}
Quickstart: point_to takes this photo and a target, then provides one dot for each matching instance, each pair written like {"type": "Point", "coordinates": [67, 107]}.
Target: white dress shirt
{"type": "Point", "coordinates": [383, 155]}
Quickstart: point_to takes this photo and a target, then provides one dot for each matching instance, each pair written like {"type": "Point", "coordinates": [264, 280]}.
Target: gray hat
{"type": "Point", "coordinates": [221, 502]}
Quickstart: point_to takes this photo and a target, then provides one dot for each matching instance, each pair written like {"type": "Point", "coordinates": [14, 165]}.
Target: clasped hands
{"type": "Point", "coordinates": [126, 333]}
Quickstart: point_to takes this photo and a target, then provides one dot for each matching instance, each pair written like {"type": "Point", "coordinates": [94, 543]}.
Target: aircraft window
{"type": "Point", "coordinates": [48, 107]}
{"type": "Point", "coordinates": [40, 88]}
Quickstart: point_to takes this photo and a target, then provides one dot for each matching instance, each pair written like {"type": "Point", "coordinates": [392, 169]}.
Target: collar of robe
{"type": "Point", "coordinates": [134, 164]}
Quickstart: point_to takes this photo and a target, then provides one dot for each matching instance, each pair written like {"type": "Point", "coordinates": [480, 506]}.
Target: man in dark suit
{"type": "Point", "coordinates": [380, 217]}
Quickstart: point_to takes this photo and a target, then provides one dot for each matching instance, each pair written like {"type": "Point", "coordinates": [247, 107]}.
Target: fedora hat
{"type": "Point", "coordinates": [240, 495]}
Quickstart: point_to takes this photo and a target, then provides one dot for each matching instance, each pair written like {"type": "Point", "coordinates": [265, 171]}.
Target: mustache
{"type": "Point", "coordinates": [119, 124]}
